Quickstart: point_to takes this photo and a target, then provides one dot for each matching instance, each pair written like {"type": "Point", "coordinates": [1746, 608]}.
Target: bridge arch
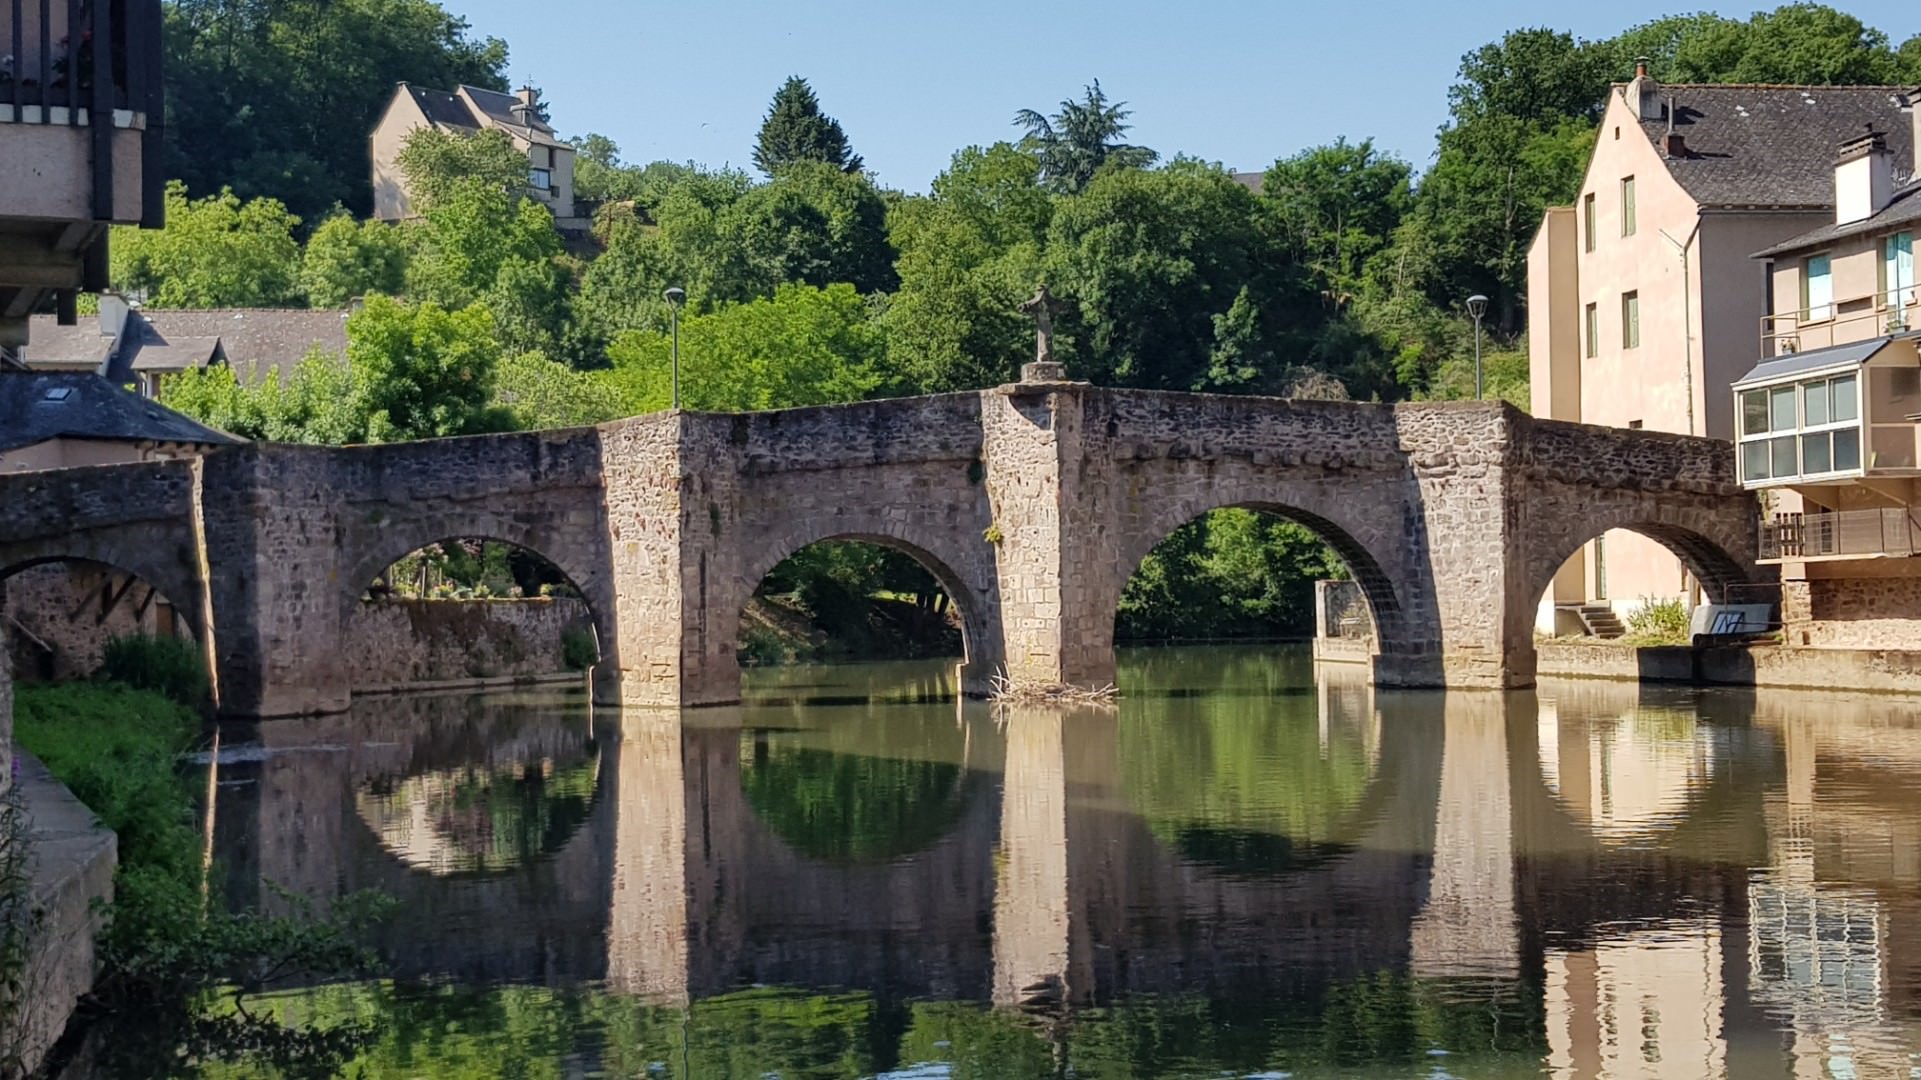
{"type": "Point", "coordinates": [962, 566]}
{"type": "Point", "coordinates": [59, 611]}
{"type": "Point", "coordinates": [1333, 510]}
{"type": "Point", "coordinates": [587, 578]}
{"type": "Point", "coordinates": [1716, 547]}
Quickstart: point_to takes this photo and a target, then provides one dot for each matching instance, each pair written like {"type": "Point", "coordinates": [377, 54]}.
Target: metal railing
{"type": "Point", "coordinates": [1889, 531]}
{"type": "Point", "coordinates": [1854, 318]}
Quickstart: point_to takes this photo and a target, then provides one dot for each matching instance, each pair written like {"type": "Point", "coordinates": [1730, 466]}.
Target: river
{"type": "Point", "coordinates": [1245, 867]}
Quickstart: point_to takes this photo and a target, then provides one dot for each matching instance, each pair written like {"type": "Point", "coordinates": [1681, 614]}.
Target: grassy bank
{"type": "Point", "coordinates": [175, 971]}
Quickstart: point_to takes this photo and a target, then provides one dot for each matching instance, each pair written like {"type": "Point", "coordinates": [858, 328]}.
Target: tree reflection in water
{"type": "Point", "coordinates": [480, 818]}
{"type": "Point", "coordinates": [830, 803]}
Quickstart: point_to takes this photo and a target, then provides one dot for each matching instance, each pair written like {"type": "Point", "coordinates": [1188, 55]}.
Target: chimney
{"type": "Point", "coordinates": [113, 315]}
{"type": "Point", "coordinates": [527, 109]}
{"type": "Point", "coordinates": [1675, 145]}
{"type": "Point", "coordinates": [1863, 177]}
{"type": "Point", "coordinates": [1644, 93]}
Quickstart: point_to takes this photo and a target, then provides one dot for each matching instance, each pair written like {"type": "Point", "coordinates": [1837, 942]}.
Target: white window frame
{"type": "Point", "coordinates": [1811, 311]}
{"type": "Point", "coordinates": [1896, 280]}
{"type": "Point", "coordinates": [1802, 430]}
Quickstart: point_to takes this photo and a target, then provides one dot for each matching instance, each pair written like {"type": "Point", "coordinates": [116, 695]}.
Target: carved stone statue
{"type": "Point", "coordinates": [1041, 307]}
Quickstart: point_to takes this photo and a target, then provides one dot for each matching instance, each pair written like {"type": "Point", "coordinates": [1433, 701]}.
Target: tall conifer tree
{"type": "Point", "coordinates": [796, 130]}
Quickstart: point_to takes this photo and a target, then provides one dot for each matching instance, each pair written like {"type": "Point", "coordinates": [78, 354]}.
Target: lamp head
{"type": "Point", "coordinates": [676, 295]}
{"type": "Point", "coordinates": [1477, 305]}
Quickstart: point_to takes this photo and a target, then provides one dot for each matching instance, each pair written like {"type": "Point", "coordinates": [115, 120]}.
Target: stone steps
{"type": "Point", "coordinates": [1601, 621]}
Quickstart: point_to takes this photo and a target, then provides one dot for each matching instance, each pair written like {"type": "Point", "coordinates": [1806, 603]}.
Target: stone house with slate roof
{"type": "Point", "coordinates": [142, 346]}
{"type": "Point", "coordinates": [58, 420]}
{"type": "Point", "coordinates": [1646, 302]}
{"type": "Point", "coordinates": [467, 110]}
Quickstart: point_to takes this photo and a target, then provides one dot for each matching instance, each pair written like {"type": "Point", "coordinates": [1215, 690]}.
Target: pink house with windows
{"type": "Point", "coordinates": [1646, 301]}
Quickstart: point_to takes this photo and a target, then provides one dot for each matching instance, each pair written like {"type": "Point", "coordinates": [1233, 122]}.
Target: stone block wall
{"type": "Point", "coordinates": [397, 643]}
{"type": "Point", "coordinates": [58, 617]}
{"type": "Point", "coordinates": [1852, 613]}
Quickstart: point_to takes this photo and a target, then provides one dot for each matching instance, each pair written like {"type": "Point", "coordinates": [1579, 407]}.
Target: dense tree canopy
{"type": "Point", "coordinates": [276, 98]}
{"type": "Point", "coordinates": [1080, 140]}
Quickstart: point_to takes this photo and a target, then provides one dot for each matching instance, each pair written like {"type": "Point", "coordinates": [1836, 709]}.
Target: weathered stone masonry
{"type": "Point", "coordinates": [1032, 504]}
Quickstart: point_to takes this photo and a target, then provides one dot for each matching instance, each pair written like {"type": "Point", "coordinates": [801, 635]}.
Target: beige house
{"type": "Point", "coordinates": [1830, 417]}
{"type": "Point", "coordinates": [1644, 296]}
{"type": "Point", "coordinates": [77, 153]}
{"type": "Point", "coordinates": [467, 110]}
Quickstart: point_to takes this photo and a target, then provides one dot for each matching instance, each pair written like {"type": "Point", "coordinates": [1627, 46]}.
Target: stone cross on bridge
{"type": "Point", "coordinates": [1031, 504]}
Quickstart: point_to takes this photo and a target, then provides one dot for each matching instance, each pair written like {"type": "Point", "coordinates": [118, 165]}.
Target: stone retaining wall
{"type": "Point", "coordinates": [396, 643]}
{"type": "Point", "coordinates": [1852, 613]}
{"type": "Point", "coordinates": [1787, 667]}
{"type": "Point", "coordinates": [57, 618]}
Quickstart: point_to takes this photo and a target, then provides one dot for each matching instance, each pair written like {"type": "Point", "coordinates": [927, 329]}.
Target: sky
{"type": "Point", "coordinates": [912, 81]}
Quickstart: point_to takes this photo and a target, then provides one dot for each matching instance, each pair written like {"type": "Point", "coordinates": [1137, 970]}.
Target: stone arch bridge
{"type": "Point", "coordinates": [1031, 503]}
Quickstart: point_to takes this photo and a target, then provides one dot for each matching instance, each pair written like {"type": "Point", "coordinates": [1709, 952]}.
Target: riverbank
{"type": "Point", "coordinates": [1879, 671]}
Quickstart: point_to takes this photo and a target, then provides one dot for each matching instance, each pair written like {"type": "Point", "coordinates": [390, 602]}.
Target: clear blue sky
{"type": "Point", "coordinates": [913, 80]}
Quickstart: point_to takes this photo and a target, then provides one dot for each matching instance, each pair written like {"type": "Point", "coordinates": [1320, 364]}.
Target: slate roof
{"type": "Point", "coordinates": [50, 345]}
{"type": "Point", "coordinates": [1774, 368]}
{"type": "Point", "coordinates": [253, 341]}
{"type": "Point", "coordinates": [442, 107]}
{"type": "Point", "coordinates": [36, 406]}
{"type": "Point", "coordinates": [450, 109]}
{"type": "Point", "coordinates": [1774, 146]}
{"type": "Point", "coordinates": [1903, 209]}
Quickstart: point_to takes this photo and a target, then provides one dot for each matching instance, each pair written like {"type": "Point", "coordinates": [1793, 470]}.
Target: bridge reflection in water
{"type": "Point", "coordinates": [1638, 882]}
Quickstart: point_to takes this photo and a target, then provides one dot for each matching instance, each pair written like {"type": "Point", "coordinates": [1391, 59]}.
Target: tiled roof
{"type": "Point", "coordinates": [1903, 209]}
{"type": "Point", "coordinates": [254, 341]}
{"type": "Point", "coordinates": [50, 345]}
{"type": "Point", "coordinates": [39, 405]}
{"type": "Point", "coordinates": [1774, 146]}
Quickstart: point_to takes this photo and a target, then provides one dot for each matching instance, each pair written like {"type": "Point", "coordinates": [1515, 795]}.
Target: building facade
{"type": "Point", "coordinates": [1644, 296]}
{"type": "Point", "coordinates": [469, 110]}
{"type": "Point", "coordinates": [1830, 416]}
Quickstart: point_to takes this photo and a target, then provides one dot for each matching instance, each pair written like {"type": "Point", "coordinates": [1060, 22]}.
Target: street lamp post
{"type": "Point", "coordinates": [1477, 307]}
{"type": "Point", "coordinates": [676, 296]}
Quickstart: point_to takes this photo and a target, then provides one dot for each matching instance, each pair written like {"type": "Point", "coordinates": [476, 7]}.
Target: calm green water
{"type": "Point", "coordinates": [1248, 868]}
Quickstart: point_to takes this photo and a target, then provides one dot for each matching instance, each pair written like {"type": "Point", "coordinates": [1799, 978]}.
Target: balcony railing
{"type": "Point", "coordinates": [1841, 534]}
{"type": "Point", "coordinates": [1856, 318]}
{"type": "Point", "coordinates": [87, 63]}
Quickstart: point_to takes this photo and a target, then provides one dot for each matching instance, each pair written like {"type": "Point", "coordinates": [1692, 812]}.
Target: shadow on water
{"type": "Point", "coordinates": [1249, 866]}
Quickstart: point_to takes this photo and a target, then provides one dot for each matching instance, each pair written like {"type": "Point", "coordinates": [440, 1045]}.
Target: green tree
{"type": "Point", "coordinates": [215, 252]}
{"type": "Point", "coordinates": [345, 259]}
{"type": "Point", "coordinates": [802, 346]}
{"type": "Point", "coordinates": [1084, 137]}
{"type": "Point", "coordinates": [795, 130]}
{"type": "Point", "coordinates": [424, 372]}
{"type": "Point", "coordinates": [970, 253]}
{"type": "Point", "coordinates": [320, 401]}
{"type": "Point", "coordinates": [1148, 259]}
{"type": "Point", "coordinates": [1337, 207]}
{"type": "Point", "coordinates": [436, 164]}
{"type": "Point", "coordinates": [276, 99]}
{"type": "Point", "coordinates": [541, 393]}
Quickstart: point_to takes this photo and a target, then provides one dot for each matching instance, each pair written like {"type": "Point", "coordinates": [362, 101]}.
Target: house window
{"type": "Point", "coordinates": [1817, 289]}
{"type": "Point", "coordinates": [1587, 221]}
{"type": "Point", "coordinates": [1810, 428]}
{"type": "Point", "coordinates": [1593, 330]}
{"type": "Point", "coordinates": [1627, 207]}
{"type": "Point", "coordinates": [1630, 320]}
{"type": "Point", "coordinates": [541, 179]}
{"type": "Point", "coordinates": [1897, 270]}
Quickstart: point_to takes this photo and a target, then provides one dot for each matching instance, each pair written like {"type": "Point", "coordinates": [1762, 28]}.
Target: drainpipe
{"type": "Point", "coordinates": [1688, 581]}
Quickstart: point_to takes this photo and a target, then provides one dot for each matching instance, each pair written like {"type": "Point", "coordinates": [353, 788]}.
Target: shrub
{"type": "Point", "coordinates": [169, 666]}
{"type": "Point", "coordinates": [1659, 622]}
{"type": "Point", "coordinates": [578, 650]}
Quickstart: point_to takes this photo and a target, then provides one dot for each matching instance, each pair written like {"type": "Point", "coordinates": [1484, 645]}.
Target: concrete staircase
{"type": "Point", "coordinates": [1600, 620]}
